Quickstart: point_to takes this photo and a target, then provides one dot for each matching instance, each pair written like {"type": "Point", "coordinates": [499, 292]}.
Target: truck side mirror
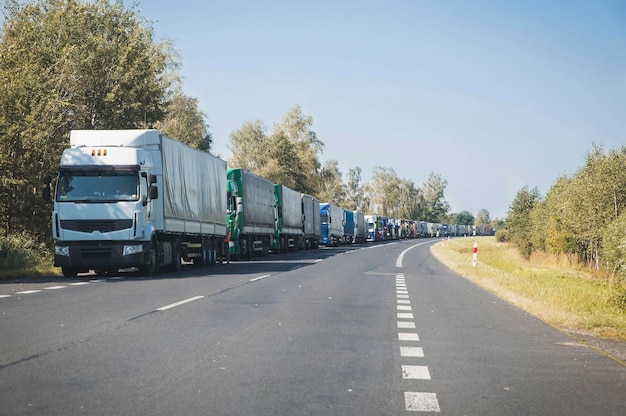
{"type": "Point", "coordinates": [239, 204]}
{"type": "Point", "coordinates": [46, 192]}
{"type": "Point", "coordinates": [153, 192]}
{"type": "Point", "coordinates": [152, 179]}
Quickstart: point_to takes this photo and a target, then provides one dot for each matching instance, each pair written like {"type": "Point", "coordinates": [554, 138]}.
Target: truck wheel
{"type": "Point", "coordinates": [176, 262]}
{"type": "Point", "coordinates": [69, 272]}
{"type": "Point", "coordinates": [152, 267]}
{"type": "Point", "coordinates": [213, 247]}
{"type": "Point", "coordinates": [249, 248]}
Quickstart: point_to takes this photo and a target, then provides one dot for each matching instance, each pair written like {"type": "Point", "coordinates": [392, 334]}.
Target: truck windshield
{"type": "Point", "coordinates": [94, 186]}
{"type": "Point", "coordinates": [324, 218]}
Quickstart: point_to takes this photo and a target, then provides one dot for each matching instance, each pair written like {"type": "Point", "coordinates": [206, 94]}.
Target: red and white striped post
{"type": "Point", "coordinates": [475, 256]}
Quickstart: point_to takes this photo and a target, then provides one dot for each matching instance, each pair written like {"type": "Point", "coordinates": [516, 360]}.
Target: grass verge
{"type": "Point", "coordinates": [554, 291]}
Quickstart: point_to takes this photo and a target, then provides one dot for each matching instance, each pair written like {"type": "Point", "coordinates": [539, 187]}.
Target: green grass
{"type": "Point", "coordinates": [551, 289]}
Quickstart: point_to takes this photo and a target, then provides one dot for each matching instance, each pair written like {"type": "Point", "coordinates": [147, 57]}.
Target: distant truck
{"type": "Point", "coordinates": [348, 226]}
{"type": "Point", "coordinates": [331, 224]}
{"type": "Point", "coordinates": [311, 231]}
{"type": "Point", "coordinates": [374, 227]}
{"type": "Point", "coordinates": [250, 213]}
{"type": "Point", "coordinates": [288, 219]}
{"type": "Point", "coordinates": [360, 228]}
{"type": "Point", "coordinates": [136, 198]}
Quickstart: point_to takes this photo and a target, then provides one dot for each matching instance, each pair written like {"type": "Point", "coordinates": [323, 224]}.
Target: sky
{"type": "Point", "coordinates": [491, 95]}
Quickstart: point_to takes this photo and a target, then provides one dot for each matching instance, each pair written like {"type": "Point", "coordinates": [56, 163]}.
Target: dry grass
{"type": "Point", "coordinates": [550, 288]}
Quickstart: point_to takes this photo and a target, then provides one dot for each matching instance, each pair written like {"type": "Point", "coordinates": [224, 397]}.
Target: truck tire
{"type": "Point", "coordinates": [213, 245]}
{"type": "Point", "coordinates": [249, 248]}
{"type": "Point", "coordinates": [69, 271]}
{"type": "Point", "coordinates": [176, 262]}
{"type": "Point", "coordinates": [152, 267]}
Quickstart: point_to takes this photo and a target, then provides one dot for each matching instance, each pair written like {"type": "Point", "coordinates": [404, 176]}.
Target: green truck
{"type": "Point", "coordinates": [250, 214]}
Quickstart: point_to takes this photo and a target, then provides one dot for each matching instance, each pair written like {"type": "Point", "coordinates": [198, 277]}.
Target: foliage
{"type": "Point", "coordinates": [331, 187]}
{"type": "Point", "coordinates": [463, 217]}
{"type": "Point", "coordinates": [20, 251]}
{"type": "Point", "coordinates": [581, 216]}
{"type": "Point", "coordinates": [614, 247]}
{"type": "Point", "coordinates": [185, 122]}
{"type": "Point", "coordinates": [289, 155]}
{"type": "Point", "coordinates": [483, 218]}
{"type": "Point", "coordinates": [502, 235]}
{"type": "Point", "coordinates": [518, 220]}
{"type": "Point", "coordinates": [436, 208]}
{"type": "Point", "coordinates": [67, 64]}
{"type": "Point", "coordinates": [355, 195]}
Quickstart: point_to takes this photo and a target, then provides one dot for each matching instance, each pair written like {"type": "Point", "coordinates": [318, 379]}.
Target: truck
{"type": "Point", "coordinates": [135, 199]}
{"type": "Point", "coordinates": [288, 219]}
{"type": "Point", "coordinates": [360, 227]}
{"type": "Point", "coordinates": [311, 231]}
{"type": "Point", "coordinates": [250, 213]}
{"type": "Point", "coordinates": [374, 228]}
{"type": "Point", "coordinates": [331, 224]}
{"type": "Point", "coordinates": [348, 226]}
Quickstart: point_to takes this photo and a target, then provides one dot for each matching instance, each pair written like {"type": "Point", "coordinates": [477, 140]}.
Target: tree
{"type": "Point", "coordinates": [518, 220]}
{"type": "Point", "coordinates": [355, 196]}
{"type": "Point", "coordinates": [483, 218]}
{"type": "Point", "coordinates": [249, 146]}
{"type": "Point", "coordinates": [462, 218]}
{"type": "Point", "coordinates": [64, 65]}
{"type": "Point", "coordinates": [185, 122]}
{"type": "Point", "coordinates": [306, 147]}
{"type": "Point", "coordinates": [331, 186]}
{"type": "Point", "coordinates": [290, 153]}
{"type": "Point", "coordinates": [384, 191]}
{"type": "Point", "coordinates": [436, 207]}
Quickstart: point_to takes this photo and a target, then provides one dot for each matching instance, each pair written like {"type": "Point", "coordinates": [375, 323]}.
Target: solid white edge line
{"type": "Point", "coordinates": [182, 302]}
{"type": "Point", "coordinates": [259, 278]}
{"type": "Point", "coordinates": [401, 256]}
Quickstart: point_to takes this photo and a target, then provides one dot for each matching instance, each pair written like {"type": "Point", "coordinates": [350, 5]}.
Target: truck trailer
{"type": "Point", "coordinates": [250, 213]}
{"type": "Point", "coordinates": [331, 224]}
{"type": "Point", "coordinates": [360, 227]}
{"type": "Point", "coordinates": [288, 219]}
{"type": "Point", "coordinates": [136, 198]}
{"type": "Point", "coordinates": [311, 231]}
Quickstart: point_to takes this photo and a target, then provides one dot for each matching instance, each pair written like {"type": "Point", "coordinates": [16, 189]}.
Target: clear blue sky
{"type": "Point", "coordinates": [492, 95]}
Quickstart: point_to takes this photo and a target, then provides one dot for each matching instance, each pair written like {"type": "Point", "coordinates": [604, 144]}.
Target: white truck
{"type": "Point", "coordinates": [136, 198]}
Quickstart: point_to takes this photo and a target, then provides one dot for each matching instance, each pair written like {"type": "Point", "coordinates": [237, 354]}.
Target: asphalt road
{"type": "Point", "coordinates": [373, 330]}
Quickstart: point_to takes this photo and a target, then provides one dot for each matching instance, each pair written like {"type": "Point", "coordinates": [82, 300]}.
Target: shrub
{"type": "Point", "coordinates": [502, 235]}
{"type": "Point", "coordinates": [20, 251]}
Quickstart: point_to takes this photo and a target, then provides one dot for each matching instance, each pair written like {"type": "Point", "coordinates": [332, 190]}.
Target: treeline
{"type": "Point", "coordinates": [582, 216]}
{"type": "Point", "coordinates": [69, 64]}
{"type": "Point", "coordinates": [290, 154]}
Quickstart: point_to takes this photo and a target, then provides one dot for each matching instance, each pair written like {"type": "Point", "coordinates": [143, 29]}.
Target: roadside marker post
{"type": "Point", "coordinates": [475, 255]}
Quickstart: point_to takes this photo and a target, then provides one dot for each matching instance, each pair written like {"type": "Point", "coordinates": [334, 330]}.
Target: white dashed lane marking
{"type": "Point", "coordinates": [414, 401]}
{"type": "Point", "coordinates": [54, 287]}
{"type": "Point", "coordinates": [408, 336]}
{"type": "Point", "coordinates": [182, 302]}
{"type": "Point", "coordinates": [411, 352]}
{"type": "Point", "coordinates": [415, 372]}
{"type": "Point", "coordinates": [421, 402]}
{"type": "Point", "coordinates": [27, 292]}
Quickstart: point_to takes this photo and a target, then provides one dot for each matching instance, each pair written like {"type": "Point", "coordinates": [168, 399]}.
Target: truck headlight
{"type": "Point", "coordinates": [62, 251]}
{"type": "Point", "coordinates": [128, 250]}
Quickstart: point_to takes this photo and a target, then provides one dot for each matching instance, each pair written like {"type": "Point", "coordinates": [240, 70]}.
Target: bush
{"type": "Point", "coordinates": [502, 235]}
{"type": "Point", "coordinates": [614, 247]}
{"type": "Point", "coordinates": [20, 251]}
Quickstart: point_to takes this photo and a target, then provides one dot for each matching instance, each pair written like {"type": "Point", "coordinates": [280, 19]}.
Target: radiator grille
{"type": "Point", "coordinates": [89, 226]}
